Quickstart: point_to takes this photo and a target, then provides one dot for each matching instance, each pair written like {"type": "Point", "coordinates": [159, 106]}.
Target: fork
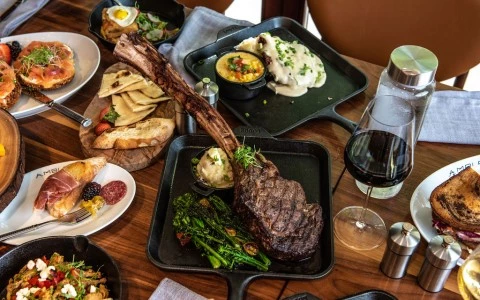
{"type": "Point", "coordinates": [71, 218]}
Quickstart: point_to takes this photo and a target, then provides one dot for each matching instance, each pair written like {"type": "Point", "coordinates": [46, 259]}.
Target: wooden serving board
{"type": "Point", "coordinates": [132, 159]}
{"type": "Point", "coordinates": [12, 165]}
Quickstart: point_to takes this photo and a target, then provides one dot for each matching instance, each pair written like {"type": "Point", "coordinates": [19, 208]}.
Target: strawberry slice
{"type": "Point", "coordinates": [5, 53]}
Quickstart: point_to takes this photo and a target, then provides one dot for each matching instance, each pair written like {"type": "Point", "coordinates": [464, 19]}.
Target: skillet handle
{"type": "Point", "coordinates": [332, 115]}
{"type": "Point", "coordinates": [200, 189]}
{"type": "Point", "coordinates": [237, 284]}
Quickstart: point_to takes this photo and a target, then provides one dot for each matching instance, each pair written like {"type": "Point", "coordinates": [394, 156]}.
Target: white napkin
{"type": "Point", "coordinates": [452, 117]}
{"type": "Point", "coordinates": [21, 13]}
{"type": "Point", "coordinates": [200, 29]}
{"type": "Point", "coordinates": [172, 290]}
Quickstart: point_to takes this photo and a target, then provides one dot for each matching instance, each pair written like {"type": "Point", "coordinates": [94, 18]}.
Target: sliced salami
{"type": "Point", "coordinates": [113, 191]}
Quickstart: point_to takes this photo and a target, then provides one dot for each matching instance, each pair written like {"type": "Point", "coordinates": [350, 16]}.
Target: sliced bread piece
{"type": "Point", "coordinates": [45, 65]}
{"type": "Point", "coordinates": [145, 133]}
{"type": "Point", "coordinates": [10, 88]}
{"type": "Point", "coordinates": [456, 201]}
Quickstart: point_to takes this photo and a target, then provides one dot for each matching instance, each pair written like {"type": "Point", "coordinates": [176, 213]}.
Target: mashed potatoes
{"type": "Point", "coordinates": [214, 169]}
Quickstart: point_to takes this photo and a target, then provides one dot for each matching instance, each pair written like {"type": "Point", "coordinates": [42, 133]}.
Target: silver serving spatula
{"type": "Point", "coordinates": [41, 97]}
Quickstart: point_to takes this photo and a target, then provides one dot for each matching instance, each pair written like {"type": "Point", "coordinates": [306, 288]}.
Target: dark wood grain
{"type": "Point", "coordinates": [51, 138]}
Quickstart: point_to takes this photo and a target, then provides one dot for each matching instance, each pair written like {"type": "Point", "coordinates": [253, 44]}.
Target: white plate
{"type": "Point", "coordinates": [420, 204]}
{"type": "Point", "coordinates": [20, 212]}
{"type": "Point", "coordinates": [86, 57]}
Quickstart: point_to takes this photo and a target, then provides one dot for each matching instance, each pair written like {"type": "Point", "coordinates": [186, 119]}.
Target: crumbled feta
{"type": "Point", "coordinates": [23, 294]}
{"type": "Point", "coordinates": [45, 272]}
{"type": "Point", "coordinates": [30, 264]}
{"type": "Point", "coordinates": [40, 264]}
{"type": "Point", "coordinates": [69, 291]}
{"type": "Point", "coordinates": [92, 289]}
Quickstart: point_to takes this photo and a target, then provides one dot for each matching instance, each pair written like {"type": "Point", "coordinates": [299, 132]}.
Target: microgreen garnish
{"type": "Point", "coordinates": [245, 156]}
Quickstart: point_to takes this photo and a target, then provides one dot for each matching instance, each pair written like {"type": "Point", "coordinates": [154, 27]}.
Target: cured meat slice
{"type": "Point", "coordinates": [113, 191]}
{"type": "Point", "coordinates": [54, 188]}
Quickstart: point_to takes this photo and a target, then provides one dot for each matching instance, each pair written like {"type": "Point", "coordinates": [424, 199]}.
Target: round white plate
{"type": "Point", "coordinates": [86, 57]}
{"type": "Point", "coordinates": [20, 212]}
{"type": "Point", "coordinates": [420, 204]}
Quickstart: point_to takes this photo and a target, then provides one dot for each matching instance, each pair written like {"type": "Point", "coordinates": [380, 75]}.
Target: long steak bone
{"type": "Point", "coordinates": [273, 209]}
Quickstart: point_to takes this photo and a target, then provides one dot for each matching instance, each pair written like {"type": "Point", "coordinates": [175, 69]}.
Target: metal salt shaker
{"type": "Point", "coordinates": [403, 240]}
{"type": "Point", "coordinates": [442, 255]}
{"type": "Point", "coordinates": [184, 122]}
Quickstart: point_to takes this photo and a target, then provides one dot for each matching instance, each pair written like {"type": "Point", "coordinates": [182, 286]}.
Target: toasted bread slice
{"type": "Point", "coordinates": [456, 201]}
{"type": "Point", "coordinates": [45, 65]}
{"type": "Point", "coordinates": [145, 133]}
{"type": "Point", "coordinates": [10, 89]}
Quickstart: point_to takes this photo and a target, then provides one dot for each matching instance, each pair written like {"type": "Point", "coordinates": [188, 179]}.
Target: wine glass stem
{"type": "Point", "coordinates": [361, 221]}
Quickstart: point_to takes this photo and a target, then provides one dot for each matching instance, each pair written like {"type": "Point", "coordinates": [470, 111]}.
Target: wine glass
{"type": "Point", "coordinates": [468, 277]}
{"type": "Point", "coordinates": [379, 154]}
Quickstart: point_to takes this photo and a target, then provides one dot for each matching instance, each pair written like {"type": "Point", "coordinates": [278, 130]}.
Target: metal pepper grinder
{"type": "Point", "coordinates": [402, 241]}
{"type": "Point", "coordinates": [442, 255]}
{"type": "Point", "coordinates": [208, 90]}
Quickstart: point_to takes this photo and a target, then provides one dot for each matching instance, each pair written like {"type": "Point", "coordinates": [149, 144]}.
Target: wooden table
{"type": "Point", "coordinates": [51, 138]}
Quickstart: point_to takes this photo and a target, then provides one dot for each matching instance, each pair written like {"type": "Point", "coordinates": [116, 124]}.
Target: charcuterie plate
{"type": "Point", "coordinates": [86, 58]}
{"type": "Point", "coordinates": [20, 213]}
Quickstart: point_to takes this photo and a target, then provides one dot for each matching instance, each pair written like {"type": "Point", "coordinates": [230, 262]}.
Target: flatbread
{"type": "Point", "coordinates": [134, 106]}
{"type": "Point", "coordinates": [127, 116]}
{"type": "Point", "coordinates": [113, 82]}
{"type": "Point", "coordinates": [142, 84]}
{"type": "Point", "coordinates": [152, 90]}
{"type": "Point", "coordinates": [140, 98]}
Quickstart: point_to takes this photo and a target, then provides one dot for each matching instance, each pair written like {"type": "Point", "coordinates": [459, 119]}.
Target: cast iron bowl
{"type": "Point", "coordinates": [199, 185]}
{"type": "Point", "coordinates": [240, 90]}
{"type": "Point", "coordinates": [167, 10]}
{"type": "Point", "coordinates": [78, 247]}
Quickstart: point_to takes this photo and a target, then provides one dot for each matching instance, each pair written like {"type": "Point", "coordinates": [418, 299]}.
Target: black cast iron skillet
{"type": "Point", "coordinates": [276, 113]}
{"type": "Point", "coordinates": [168, 11]}
{"type": "Point", "coordinates": [303, 161]}
{"type": "Point", "coordinates": [77, 247]}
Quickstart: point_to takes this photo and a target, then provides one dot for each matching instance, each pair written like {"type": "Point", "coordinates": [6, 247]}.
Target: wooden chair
{"type": "Point", "coordinates": [370, 30]}
{"type": "Point", "coordinates": [217, 5]}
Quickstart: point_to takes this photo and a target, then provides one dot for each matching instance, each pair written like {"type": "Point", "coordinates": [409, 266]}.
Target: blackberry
{"type": "Point", "coordinates": [91, 190]}
{"type": "Point", "coordinates": [15, 49]}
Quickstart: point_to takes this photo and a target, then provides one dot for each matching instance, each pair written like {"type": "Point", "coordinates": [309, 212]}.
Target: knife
{"type": "Point", "coordinates": [11, 9]}
{"type": "Point", "coordinates": [39, 96]}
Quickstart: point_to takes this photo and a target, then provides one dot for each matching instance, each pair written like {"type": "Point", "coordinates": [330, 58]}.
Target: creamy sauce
{"type": "Point", "coordinates": [294, 67]}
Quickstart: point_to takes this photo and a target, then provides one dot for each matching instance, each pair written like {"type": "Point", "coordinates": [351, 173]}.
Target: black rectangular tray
{"type": "Point", "coordinates": [306, 162]}
{"type": "Point", "coordinates": [279, 114]}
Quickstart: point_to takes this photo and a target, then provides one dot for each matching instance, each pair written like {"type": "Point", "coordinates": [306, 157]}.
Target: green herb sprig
{"type": "Point", "coordinates": [245, 156]}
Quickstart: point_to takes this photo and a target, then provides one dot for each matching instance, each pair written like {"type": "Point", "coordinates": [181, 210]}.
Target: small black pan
{"type": "Point", "coordinates": [77, 247]}
{"type": "Point", "coordinates": [199, 185]}
{"type": "Point", "coordinates": [168, 11]}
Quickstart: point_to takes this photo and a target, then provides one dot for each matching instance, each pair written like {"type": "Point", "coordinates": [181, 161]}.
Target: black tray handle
{"type": "Point", "coordinates": [237, 284]}
{"type": "Point", "coordinates": [332, 115]}
{"type": "Point", "coordinates": [229, 30]}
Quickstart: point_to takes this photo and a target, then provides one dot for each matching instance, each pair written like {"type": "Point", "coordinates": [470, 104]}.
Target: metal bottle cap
{"type": "Point", "coordinates": [208, 90]}
{"type": "Point", "coordinates": [412, 65]}
{"type": "Point", "coordinates": [443, 252]}
{"type": "Point", "coordinates": [404, 238]}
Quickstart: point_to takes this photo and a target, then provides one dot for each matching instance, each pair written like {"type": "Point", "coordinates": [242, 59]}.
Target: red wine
{"type": "Point", "coordinates": [378, 158]}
